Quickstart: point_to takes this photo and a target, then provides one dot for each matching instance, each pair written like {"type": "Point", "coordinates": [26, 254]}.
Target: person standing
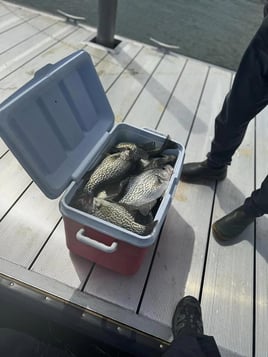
{"type": "Point", "coordinates": [247, 97]}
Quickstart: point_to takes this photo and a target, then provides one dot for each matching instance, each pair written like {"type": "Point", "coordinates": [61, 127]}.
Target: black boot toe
{"type": "Point", "coordinates": [231, 225]}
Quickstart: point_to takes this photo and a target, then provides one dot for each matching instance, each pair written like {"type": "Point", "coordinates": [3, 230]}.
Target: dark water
{"type": "Point", "coordinates": [215, 31]}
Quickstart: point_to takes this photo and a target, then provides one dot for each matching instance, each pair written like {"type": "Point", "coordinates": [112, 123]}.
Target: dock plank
{"type": "Point", "coordinates": [4, 10]}
{"type": "Point", "coordinates": [13, 181]}
{"type": "Point", "coordinates": [21, 239]}
{"type": "Point", "coordinates": [113, 65]}
{"type": "Point", "coordinates": [180, 112]}
{"type": "Point", "coordinates": [20, 33]}
{"type": "Point", "coordinates": [33, 46]}
{"type": "Point", "coordinates": [150, 105]}
{"type": "Point", "coordinates": [181, 252]}
{"type": "Point", "coordinates": [55, 261]}
{"type": "Point", "coordinates": [228, 284]}
{"type": "Point", "coordinates": [124, 291]}
{"type": "Point", "coordinates": [261, 239]}
{"type": "Point", "coordinates": [134, 78]}
{"type": "Point", "coordinates": [11, 20]}
{"type": "Point", "coordinates": [53, 54]}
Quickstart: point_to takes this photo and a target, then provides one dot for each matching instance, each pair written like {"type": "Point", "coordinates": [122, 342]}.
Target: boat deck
{"type": "Point", "coordinates": [175, 95]}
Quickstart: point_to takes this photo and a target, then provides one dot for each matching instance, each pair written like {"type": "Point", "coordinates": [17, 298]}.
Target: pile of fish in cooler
{"type": "Point", "coordinates": [126, 186]}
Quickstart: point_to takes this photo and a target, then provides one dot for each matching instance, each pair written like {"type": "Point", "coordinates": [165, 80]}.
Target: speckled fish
{"type": "Point", "coordinates": [144, 189]}
{"type": "Point", "coordinates": [156, 162]}
{"type": "Point", "coordinates": [167, 144]}
{"type": "Point", "coordinates": [118, 215]}
{"type": "Point", "coordinates": [112, 168]}
{"type": "Point", "coordinates": [138, 152]}
{"type": "Point", "coordinates": [145, 150]}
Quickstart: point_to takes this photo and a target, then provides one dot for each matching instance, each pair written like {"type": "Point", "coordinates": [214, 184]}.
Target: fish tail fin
{"type": "Point", "coordinates": [169, 144]}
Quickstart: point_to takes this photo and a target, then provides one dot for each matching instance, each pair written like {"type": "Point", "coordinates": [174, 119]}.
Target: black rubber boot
{"type": "Point", "coordinates": [187, 318]}
{"type": "Point", "coordinates": [198, 171]}
{"type": "Point", "coordinates": [231, 225]}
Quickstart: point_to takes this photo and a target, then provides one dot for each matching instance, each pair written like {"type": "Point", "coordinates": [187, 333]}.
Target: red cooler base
{"type": "Point", "coordinates": [126, 259]}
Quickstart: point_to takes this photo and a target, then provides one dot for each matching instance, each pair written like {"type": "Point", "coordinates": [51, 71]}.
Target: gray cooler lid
{"type": "Point", "coordinates": [52, 123]}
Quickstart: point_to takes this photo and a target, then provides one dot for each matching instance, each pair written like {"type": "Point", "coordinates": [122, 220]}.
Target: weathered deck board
{"type": "Point", "coordinates": [181, 252]}
{"type": "Point", "coordinates": [261, 239]}
{"type": "Point", "coordinates": [13, 181]}
{"type": "Point", "coordinates": [63, 266]}
{"type": "Point", "coordinates": [4, 9]}
{"type": "Point", "coordinates": [152, 102]}
{"type": "Point", "coordinates": [228, 285]}
{"type": "Point", "coordinates": [112, 66]}
{"type": "Point", "coordinates": [33, 46]}
{"type": "Point", "coordinates": [124, 291]}
{"type": "Point", "coordinates": [177, 96]}
{"type": "Point", "coordinates": [11, 20]}
{"type": "Point", "coordinates": [25, 30]}
{"type": "Point", "coordinates": [134, 78]}
{"type": "Point", "coordinates": [180, 111]}
{"type": "Point", "coordinates": [54, 53]}
{"type": "Point", "coordinates": [21, 240]}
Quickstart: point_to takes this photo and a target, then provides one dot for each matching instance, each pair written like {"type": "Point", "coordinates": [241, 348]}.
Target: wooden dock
{"type": "Point", "coordinates": [174, 95]}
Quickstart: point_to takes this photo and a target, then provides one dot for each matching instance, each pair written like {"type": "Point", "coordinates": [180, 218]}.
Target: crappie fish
{"type": "Point", "coordinates": [112, 168]}
{"type": "Point", "coordinates": [145, 150]}
{"type": "Point", "coordinates": [118, 215]}
{"type": "Point", "coordinates": [167, 144]}
{"type": "Point", "coordinates": [156, 162]}
{"type": "Point", "coordinates": [144, 189]}
{"type": "Point", "coordinates": [137, 151]}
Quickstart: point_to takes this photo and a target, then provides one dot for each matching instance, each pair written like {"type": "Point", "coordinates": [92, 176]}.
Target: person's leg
{"type": "Point", "coordinates": [192, 346]}
{"type": "Point", "coordinates": [257, 203]}
{"type": "Point", "coordinates": [248, 96]}
{"type": "Point", "coordinates": [187, 328]}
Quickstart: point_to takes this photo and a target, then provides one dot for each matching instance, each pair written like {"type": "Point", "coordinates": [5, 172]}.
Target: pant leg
{"type": "Point", "coordinates": [257, 203]}
{"type": "Point", "coordinates": [193, 346]}
{"type": "Point", "coordinates": [248, 96]}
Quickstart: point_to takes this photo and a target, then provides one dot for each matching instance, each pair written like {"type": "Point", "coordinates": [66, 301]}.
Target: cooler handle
{"type": "Point", "coordinates": [95, 244]}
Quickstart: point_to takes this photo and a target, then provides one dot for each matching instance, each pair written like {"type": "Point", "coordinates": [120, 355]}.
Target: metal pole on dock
{"type": "Point", "coordinates": [106, 23]}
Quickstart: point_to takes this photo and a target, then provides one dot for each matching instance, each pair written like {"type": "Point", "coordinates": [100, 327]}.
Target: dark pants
{"type": "Point", "coordinates": [248, 96]}
{"type": "Point", "coordinates": [193, 346]}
